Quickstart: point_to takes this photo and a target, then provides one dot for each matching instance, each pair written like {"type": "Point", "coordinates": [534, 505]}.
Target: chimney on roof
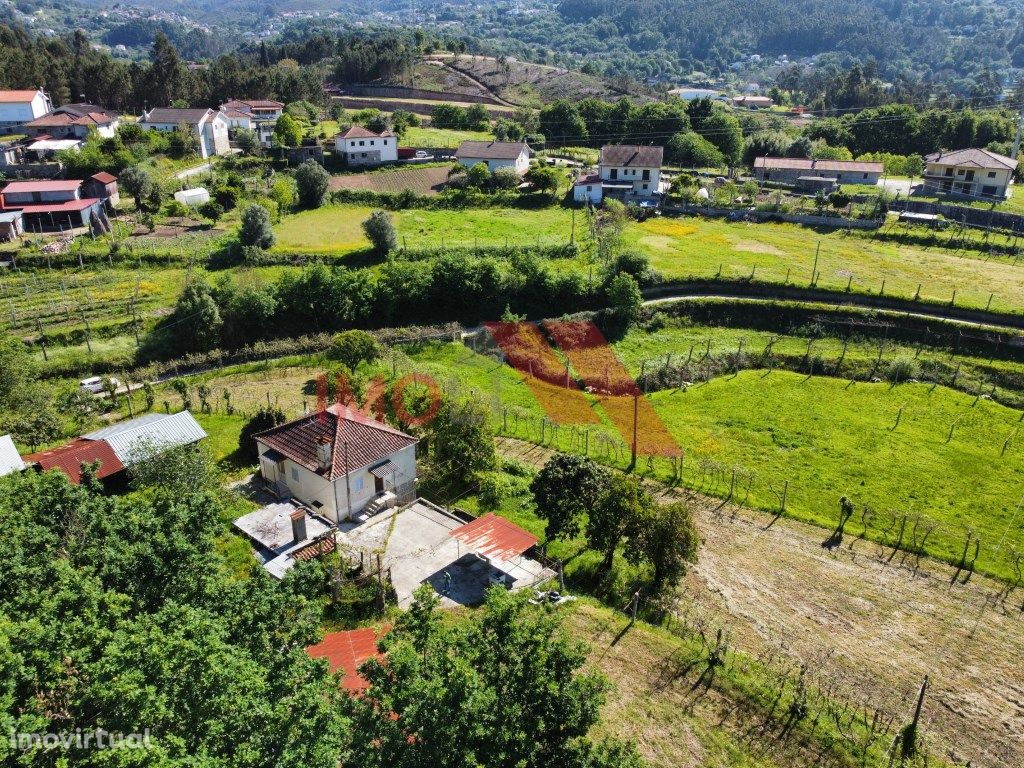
{"type": "Point", "coordinates": [299, 525]}
{"type": "Point", "coordinates": [324, 452]}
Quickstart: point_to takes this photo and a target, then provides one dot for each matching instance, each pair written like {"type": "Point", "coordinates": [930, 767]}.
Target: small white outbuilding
{"type": "Point", "coordinates": [192, 197]}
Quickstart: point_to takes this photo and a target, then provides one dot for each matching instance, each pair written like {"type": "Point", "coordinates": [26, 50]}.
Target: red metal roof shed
{"type": "Point", "coordinates": [68, 459]}
{"type": "Point", "coordinates": [495, 537]}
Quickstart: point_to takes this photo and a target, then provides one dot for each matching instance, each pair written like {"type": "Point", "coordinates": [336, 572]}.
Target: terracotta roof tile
{"type": "Point", "coordinates": [981, 158]}
{"type": "Point", "coordinates": [358, 132]}
{"type": "Point", "coordinates": [363, 439]}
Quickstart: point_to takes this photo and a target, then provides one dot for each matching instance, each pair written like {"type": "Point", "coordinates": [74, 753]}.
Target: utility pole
{"type": "Point", "coordinates": [1017, 136]}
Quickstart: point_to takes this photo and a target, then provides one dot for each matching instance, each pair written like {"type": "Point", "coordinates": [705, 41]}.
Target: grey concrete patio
{"type": "Point", "coordinates": [416, 545]}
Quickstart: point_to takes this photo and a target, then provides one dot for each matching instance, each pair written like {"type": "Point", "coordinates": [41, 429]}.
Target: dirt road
{"type": "Point", "coordinates": [872, 625]}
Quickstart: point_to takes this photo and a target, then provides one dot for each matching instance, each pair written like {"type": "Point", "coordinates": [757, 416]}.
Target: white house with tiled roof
{"type": "Point", "coordinates": [339, 462]}
{"type": "Point", "coordinates": [211, 128]}
{"type": "Point", "coordinates": [361, 146]}
{"type": "Point", "coordinates": [495, 155]}
{"type": "Point", "coordinates": [17, 107]}
{"type": "Point", "coordinates": [978, 173]}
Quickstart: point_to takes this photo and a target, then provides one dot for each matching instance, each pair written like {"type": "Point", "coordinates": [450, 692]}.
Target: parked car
{"type": "Point", "coordinates": [421, 155]}
{"type": "Point", "coordinates": [95, 384]}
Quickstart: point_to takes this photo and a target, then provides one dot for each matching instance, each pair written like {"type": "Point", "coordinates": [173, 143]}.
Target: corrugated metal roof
{"type": "Point", "coordinates": [69, 459]}
{"type": "Point", "coordinates": [10, 461]}
{"type": "Point", "coordinates": [22, 187]}
{"type": "Point", "coordinates": [347, 651]}
{"type": "Point", "coordinates": [807, 164]}
{"type": "Point", "coordinates": [136, 437]}
{"type": "Point", "coordinates": [495, 537]}
{"type": "Point", "coordinates": [126, 426]}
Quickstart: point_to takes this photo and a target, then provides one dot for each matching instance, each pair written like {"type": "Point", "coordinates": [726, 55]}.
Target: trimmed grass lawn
{"type": "Point", "coordinates": [682, 248]}
{"type": "Point", "coordinates": [338, 230]}
{"type": "Point", "coordinates": [420, 136]}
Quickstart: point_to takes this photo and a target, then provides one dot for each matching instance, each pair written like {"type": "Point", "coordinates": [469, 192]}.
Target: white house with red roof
{"type": "Point", "coordinates": [18, 107]}
{"type": "Point", "coordinates": [361, 146]}
{"type": "Point", "coordinates": [339, 462]}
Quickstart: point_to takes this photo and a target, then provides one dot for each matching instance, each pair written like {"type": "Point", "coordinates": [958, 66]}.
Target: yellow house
{"type": "Point", "coordinates": [977, 173]}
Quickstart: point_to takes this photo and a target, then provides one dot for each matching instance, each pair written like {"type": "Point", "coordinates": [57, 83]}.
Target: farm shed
{"type": "Point", "coordinates": [11, 225]}
{"type": "Point", "coordinates": [192, 197]}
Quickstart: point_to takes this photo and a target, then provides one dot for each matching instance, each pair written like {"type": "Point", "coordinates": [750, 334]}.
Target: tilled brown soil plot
{"type": "Point", "coordinates": [873, 626]}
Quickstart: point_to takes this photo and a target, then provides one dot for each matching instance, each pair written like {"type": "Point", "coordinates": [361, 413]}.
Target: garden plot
{"type": "Point", "coordinates": [429, 180]}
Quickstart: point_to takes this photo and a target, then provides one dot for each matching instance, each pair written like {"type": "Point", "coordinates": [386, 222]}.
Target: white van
{"type": "Point", "coordinates": [94, 384]}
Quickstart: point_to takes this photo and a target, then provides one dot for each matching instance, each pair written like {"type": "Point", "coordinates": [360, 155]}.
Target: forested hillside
{"type": "Point", "coordinates": [644, 38]}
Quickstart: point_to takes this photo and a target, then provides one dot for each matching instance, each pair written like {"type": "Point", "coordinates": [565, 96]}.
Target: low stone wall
{"type": "Point", "coordinates": [418, 107]}
{"type": "Point", "coordinates": [420, 94]}
{"type": "Point", "coordinates": [974, 217]}
{"type": "Point", "coordinates": [32, 170]}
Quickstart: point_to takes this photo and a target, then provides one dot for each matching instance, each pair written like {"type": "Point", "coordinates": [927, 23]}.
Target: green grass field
{"type": "Point", "coordinates": [338, 229]}
{"type": "Point", "coordinates": [682, 248]}
{"type": "Point", "coordinates": [829, 439]}
{"type": "Point", "coordinates": [425, 136]}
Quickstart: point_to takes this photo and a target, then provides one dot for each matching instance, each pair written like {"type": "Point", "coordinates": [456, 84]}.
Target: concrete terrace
{"type": "Point", "coordinates": [417, 544]}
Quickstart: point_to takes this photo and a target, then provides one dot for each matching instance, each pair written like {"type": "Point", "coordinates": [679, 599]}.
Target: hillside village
{"type": "Point", "coordinates": [432, 427]}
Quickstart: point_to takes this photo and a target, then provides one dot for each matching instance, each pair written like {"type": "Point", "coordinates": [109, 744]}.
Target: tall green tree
{"type": "Point", "coordinates": [665, 537]}
{"type": "Point", "coordinates": [312, 183]}
{"type": "Point", "coordinates": [565, 489]}
{"type": "Point", "coordinates": [504, 689]}
{"type": "Point", "coordinates": [618, 513]}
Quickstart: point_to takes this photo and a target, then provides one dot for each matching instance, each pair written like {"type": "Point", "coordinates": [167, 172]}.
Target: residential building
{"type": "Point", "coordinates": [977, 173]}
{"type": "Point", "coordinates": [211, 128]}
{"type": "Point", "coordinates": [790, 170]}
{"type": "Point", "coordinates": [259, 110]}
{"type": "Point", "coordinates": [74, 121]}
{"type": "Point", "coordinates": [361, 146]}
{"type": "Point", "coordinates": [587, 189]}
{"type": "Point", "coordinates": [238, 119]}
{"type": "Point", "coordinates": [19, 107]}
{"type": "Point", "coordinates": [338, 462]}
{"type": "Point", "coordinates": [495, 155]}
{"type": "Point", "coordinates": [10, 461]}
{"type": "Point", "coordinates": [630, 172]}
{"type": "Point", "coordinates": [120, 445]}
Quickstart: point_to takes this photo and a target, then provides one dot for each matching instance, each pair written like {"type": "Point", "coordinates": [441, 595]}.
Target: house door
{"type": "Point", "coordinates": [378, 484]}
{"type": "Point", "coordinates": [614, 174]}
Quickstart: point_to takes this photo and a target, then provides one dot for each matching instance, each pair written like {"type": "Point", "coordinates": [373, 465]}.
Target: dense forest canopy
{"type": "Point", "coordinates": [949, 39]}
